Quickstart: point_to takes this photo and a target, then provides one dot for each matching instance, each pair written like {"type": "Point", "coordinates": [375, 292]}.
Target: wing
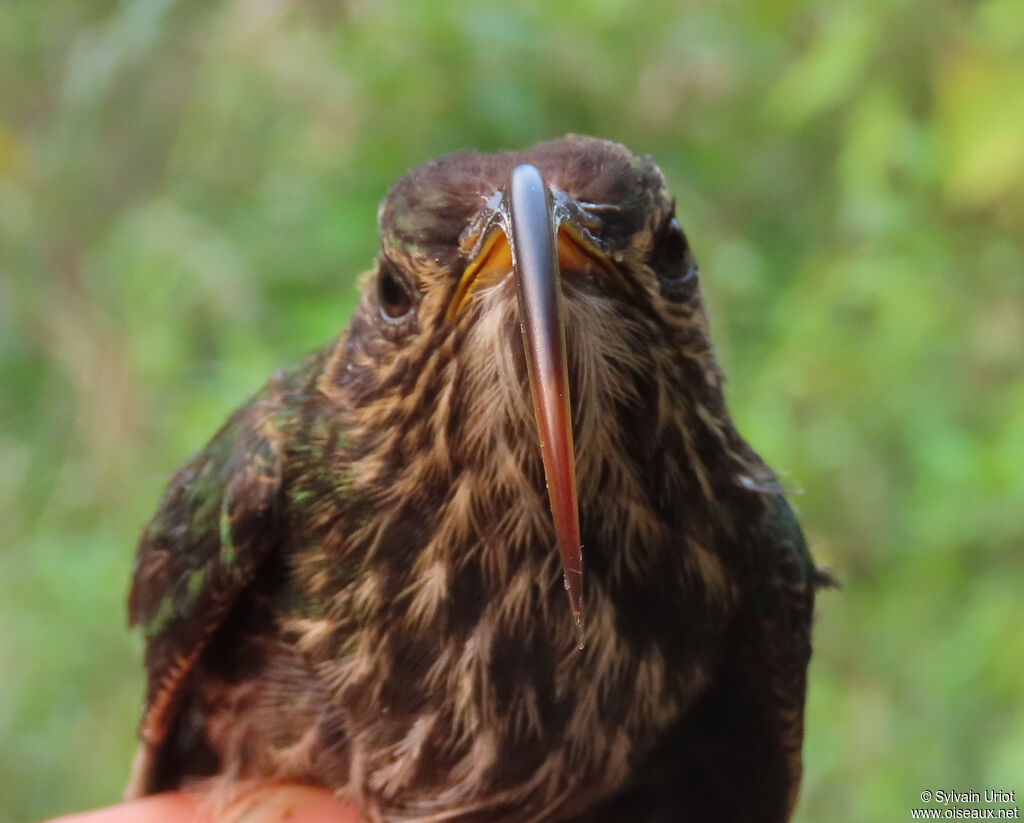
{"type": "Point", "coordinates": [780, 639]}
{"type": "Point", "coordinates": [217, 521]}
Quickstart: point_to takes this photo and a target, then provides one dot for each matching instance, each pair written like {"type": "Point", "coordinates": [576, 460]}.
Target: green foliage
{"type": "Point", "coordinates": [188, 190]}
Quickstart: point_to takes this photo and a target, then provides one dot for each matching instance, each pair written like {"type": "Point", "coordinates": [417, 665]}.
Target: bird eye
{"type": "Point", "coordinates": [393, 293]}
{"type": "Point", "coordinates": [673, 260]}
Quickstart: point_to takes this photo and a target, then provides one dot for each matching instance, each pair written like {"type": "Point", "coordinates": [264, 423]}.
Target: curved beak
{"type": "Point", "coordinates": [534, 248]}
{"type": "Point", "coordinates": [533, 232]}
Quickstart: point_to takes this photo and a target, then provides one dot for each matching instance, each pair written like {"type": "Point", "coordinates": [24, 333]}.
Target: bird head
{"type": "Point", "coordinates": [532, 316]}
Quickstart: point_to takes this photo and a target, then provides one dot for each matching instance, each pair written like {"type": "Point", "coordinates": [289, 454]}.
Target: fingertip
{"type": "Point", "coordinates": [291, 803]}
{"type": "Point", "coordinates": [173, 807]}
{"type": "Point", "coordinates": [269, 804]}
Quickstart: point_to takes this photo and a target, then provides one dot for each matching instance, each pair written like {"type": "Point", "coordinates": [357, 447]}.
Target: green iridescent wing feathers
{"type": "Point", "coordinates": [215, 525]}
{"type": "Point", "coordinates": [784, 604]}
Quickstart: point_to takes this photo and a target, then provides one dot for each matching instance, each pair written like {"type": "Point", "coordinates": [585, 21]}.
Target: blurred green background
{"type": "Point", "coordinates": [188, 190]}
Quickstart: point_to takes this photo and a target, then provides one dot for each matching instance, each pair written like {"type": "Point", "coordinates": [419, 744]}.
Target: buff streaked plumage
{"type": "Point", "coordinates": [354, 583]}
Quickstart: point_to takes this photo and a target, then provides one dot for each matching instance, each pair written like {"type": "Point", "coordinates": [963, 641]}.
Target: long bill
{"type": "Point", "coordinates": [539, 290]}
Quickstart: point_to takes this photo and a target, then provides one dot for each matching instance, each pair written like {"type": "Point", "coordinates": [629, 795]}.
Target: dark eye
{"type": "Point", "coordinates": [673, 260]}
{"type": "Point", "coordinates": [393, 293]}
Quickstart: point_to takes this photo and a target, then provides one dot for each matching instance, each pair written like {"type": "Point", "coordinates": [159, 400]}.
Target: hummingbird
{"type": "Point", "coordinates": [496, 552]}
